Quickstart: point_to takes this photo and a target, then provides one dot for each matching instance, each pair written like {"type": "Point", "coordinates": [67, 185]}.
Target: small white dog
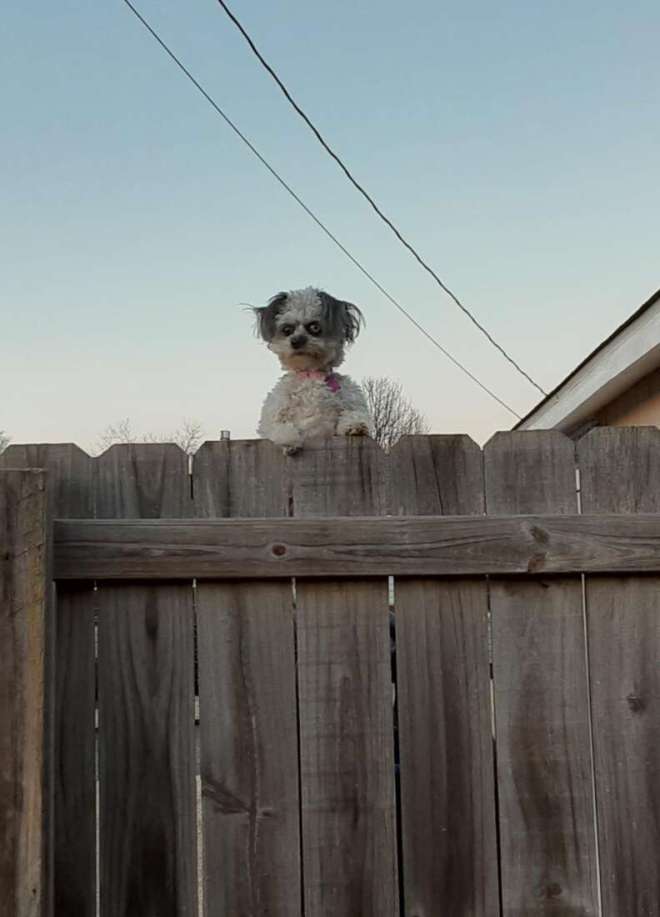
{"type": "Point", "coordinates": [309, 330]}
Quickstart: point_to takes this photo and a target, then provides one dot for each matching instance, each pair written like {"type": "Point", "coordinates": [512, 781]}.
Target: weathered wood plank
{"type": "Point", "coordinates": [544, 768]}
{"type": "Point", "coordinates": [69, 471]}
{"type": "Point", "coordinates": [345, 702]}
{"type": "Point", "coordinates": [75, 752]}
{"type": "Point", "coordinates": [620, 472]}
{"type": "Point", "coordinates": [436, 476]}
{"type": "Point", "coordinates": [446, 753]}
{"type": "Point", "coordinates": [346, 739]}
{"type": "Point", "coordinates": [412, 546]}
{"type": "Point", "coordinates": [244, 478]}
{"type": "Point", "coordinates": [340, 476]}
{"type": "Point", "coordinates": [443, 687]}
{"type": "Point", "coordinates": [23, 571]}
{"type": "Point", "coordinates": [142, 481]}
{"type": "Point", "coordinates": [249, 749]}
{"type": "Point", "coordinates": [146, 753]}
{"type": "Point", "coordinates": [146, 705]}
{"type": "Point", "coordinates": [70, 833]}
{"type": "Point", "coordinates": [248, 722]}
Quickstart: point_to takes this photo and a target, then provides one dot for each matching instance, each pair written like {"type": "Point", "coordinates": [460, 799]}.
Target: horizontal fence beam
{"type": "Point", "coordinates": [349, 547]}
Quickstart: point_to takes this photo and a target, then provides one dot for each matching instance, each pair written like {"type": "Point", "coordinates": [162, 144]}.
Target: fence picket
{"type": "Point", "coordinates": [446, 752]}
{"type": "Point", "coordinates": [248, 731]}
{"type": "Point", "coordinates": [240, 479]}
{"type": "Point", "coordinates": [620, 472]}
{"type": "Point", "coordinates": [544, 768]}
{"type": "Point", "coordinates": [70, 816]}
{"type": "Point", "coordinates": [23, 579]}
{"type": "Point", "coordinates": [345, 701]}
{"type": "Point", "coordinates": [75, 764]}
{"type": "Point", "coordinates": [146, 705]}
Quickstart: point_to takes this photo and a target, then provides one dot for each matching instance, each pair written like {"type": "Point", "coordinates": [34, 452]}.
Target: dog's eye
{"type": "Point", "coordinates": [314, 328]}
{"type": "Point", "coordinates": [287, 330]}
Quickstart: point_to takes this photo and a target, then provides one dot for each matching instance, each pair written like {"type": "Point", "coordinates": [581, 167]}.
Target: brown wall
{"type": "Point", "coordinates": [639, 406]}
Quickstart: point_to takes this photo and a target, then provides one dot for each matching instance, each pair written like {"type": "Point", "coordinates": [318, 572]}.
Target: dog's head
{"type": "Point", "coordinates": [308, 329]}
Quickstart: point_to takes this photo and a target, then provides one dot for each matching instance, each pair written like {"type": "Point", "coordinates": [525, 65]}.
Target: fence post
{"type": "Point", "coordinates": [23, 587]}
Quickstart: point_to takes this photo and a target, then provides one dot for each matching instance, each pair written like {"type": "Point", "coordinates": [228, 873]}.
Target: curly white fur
{"type": "Point", "coordinates": [299, 408]}
{"type": "Point", "coordinates": [308, 330]}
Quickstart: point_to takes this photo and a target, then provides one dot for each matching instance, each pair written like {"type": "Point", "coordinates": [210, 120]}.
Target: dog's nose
{"type": "Point", "coordinates": [298, 341]}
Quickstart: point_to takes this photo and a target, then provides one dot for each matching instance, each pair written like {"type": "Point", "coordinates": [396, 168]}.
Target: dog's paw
{"type": "Point", "coordinates": [285, 435]}
{"type": "Point", "coordinates": [353, 423]}
{"type": "Point", "coordinates": [353, 426]}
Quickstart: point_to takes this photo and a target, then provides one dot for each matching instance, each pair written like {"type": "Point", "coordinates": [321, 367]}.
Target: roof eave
{"type": "Point", "coordinates": [629, 354]}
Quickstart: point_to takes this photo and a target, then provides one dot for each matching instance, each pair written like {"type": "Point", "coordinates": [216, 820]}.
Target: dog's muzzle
{"type": "Point", "coordinates": [298, 341]}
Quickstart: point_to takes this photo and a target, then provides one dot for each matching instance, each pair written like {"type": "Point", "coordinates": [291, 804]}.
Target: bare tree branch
{"type": "Point", "coordinates": [393, 414]}
{"type": "Point", "coordinates": [119, 432]}
{"type": "Point", "coordinates": [189, 436]}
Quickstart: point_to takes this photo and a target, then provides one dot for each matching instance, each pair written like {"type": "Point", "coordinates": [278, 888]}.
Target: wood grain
{"type": "Point", "coordinates": [423, 546]}
{"type": "Point", "coordinates": [75, 752]}
{"type": "Point", "coordinates": [146, 753]}
{"type": "Point", "coordinates": [544, 768]}
{"type": "Point", "coordinates": [436, 476]}
{"type": "Point", "coordinates": [620, 472]}
{"type": "Point", "coordinates": [443, 686]}
{"type": "Point", "coordinates": [256, 661]}
{"type": "Point", "coordinates": [248, 722]}
{"type": "Point", "coordinates": [146, 705]}
{"type": "Point", "coordinates": [69, 779]}
{"type": "Point", "coordinates": [249, 749]}
{"type": "Point", "coordinates": [339, 476]}
{"type": "Point", "coordinates": [240, 478]}
{"type": "Point", "coordinates": [347, 764]}
{"type": "Point", "coordinates": [142, 481]}
{"type": "Point", "coordinates": [23, 571]}
{"type": "Point", "coordinates": [69, 473]}
{"type": "Point", "coordinates": [345, 702]}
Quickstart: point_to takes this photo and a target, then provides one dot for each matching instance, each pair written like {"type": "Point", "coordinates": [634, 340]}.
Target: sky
{"type": "Point", "coordinates": [515, 144]}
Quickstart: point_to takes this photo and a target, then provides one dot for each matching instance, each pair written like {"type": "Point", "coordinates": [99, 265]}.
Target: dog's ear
{"type": "Point", "coordinates": [266, 316]}
{"type": "Point", "coordinates": [343, 318]}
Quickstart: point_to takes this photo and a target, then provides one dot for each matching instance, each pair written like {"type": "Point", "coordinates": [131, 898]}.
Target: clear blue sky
{"type": "Point", "coordinates": [516, 144]}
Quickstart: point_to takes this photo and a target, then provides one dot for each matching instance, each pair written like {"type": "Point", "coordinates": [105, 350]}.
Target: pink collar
{"type": "Point", "coordinates": [330, 379]}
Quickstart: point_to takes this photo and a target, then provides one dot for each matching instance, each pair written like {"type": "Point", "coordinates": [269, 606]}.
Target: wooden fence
{"type": "Point", "coordinates": [518, 772]}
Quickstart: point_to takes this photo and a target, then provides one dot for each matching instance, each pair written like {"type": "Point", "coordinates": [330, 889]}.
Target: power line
{"type": "Point", "coordinates": [311, 214]}
{"type": "Point", "coordinates": [370, 200]}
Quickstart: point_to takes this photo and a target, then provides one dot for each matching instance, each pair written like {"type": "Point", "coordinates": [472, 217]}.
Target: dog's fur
{"type": "Point", "coordinates": [308, 331]}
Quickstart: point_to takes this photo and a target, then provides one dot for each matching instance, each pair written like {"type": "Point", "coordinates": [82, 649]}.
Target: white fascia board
{"type": "Point", "coordinates": [613, 369]}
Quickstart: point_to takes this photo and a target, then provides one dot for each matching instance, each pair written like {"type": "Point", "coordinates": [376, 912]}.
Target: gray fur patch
{"type": "Point", "coordinates": [342, 321]}
{"type": "Point", "coordinates": [267, 316]}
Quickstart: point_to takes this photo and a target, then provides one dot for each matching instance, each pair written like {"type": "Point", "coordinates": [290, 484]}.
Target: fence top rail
{"type": "Point", "coordinates": [356, 546]}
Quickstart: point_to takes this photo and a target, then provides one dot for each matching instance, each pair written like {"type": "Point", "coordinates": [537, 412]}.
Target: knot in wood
{"type": "Point", "coordinates": [539, 535]}
{"type": "Point", "coordinates": [636, 703]}
{"type": "Point", "coordinates": [549, 891]}
{"type": "Point", "coordinates": [536, 562]}
{"type": "Point", "coordinates": [279, 550]}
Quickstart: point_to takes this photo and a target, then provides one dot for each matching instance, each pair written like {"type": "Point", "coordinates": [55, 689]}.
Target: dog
{"type": "Point", "coordinates": [309, 330]}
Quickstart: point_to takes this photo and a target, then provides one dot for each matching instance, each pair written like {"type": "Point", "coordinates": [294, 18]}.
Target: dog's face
{"type": "Point", "coordinates": [308, 329]}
